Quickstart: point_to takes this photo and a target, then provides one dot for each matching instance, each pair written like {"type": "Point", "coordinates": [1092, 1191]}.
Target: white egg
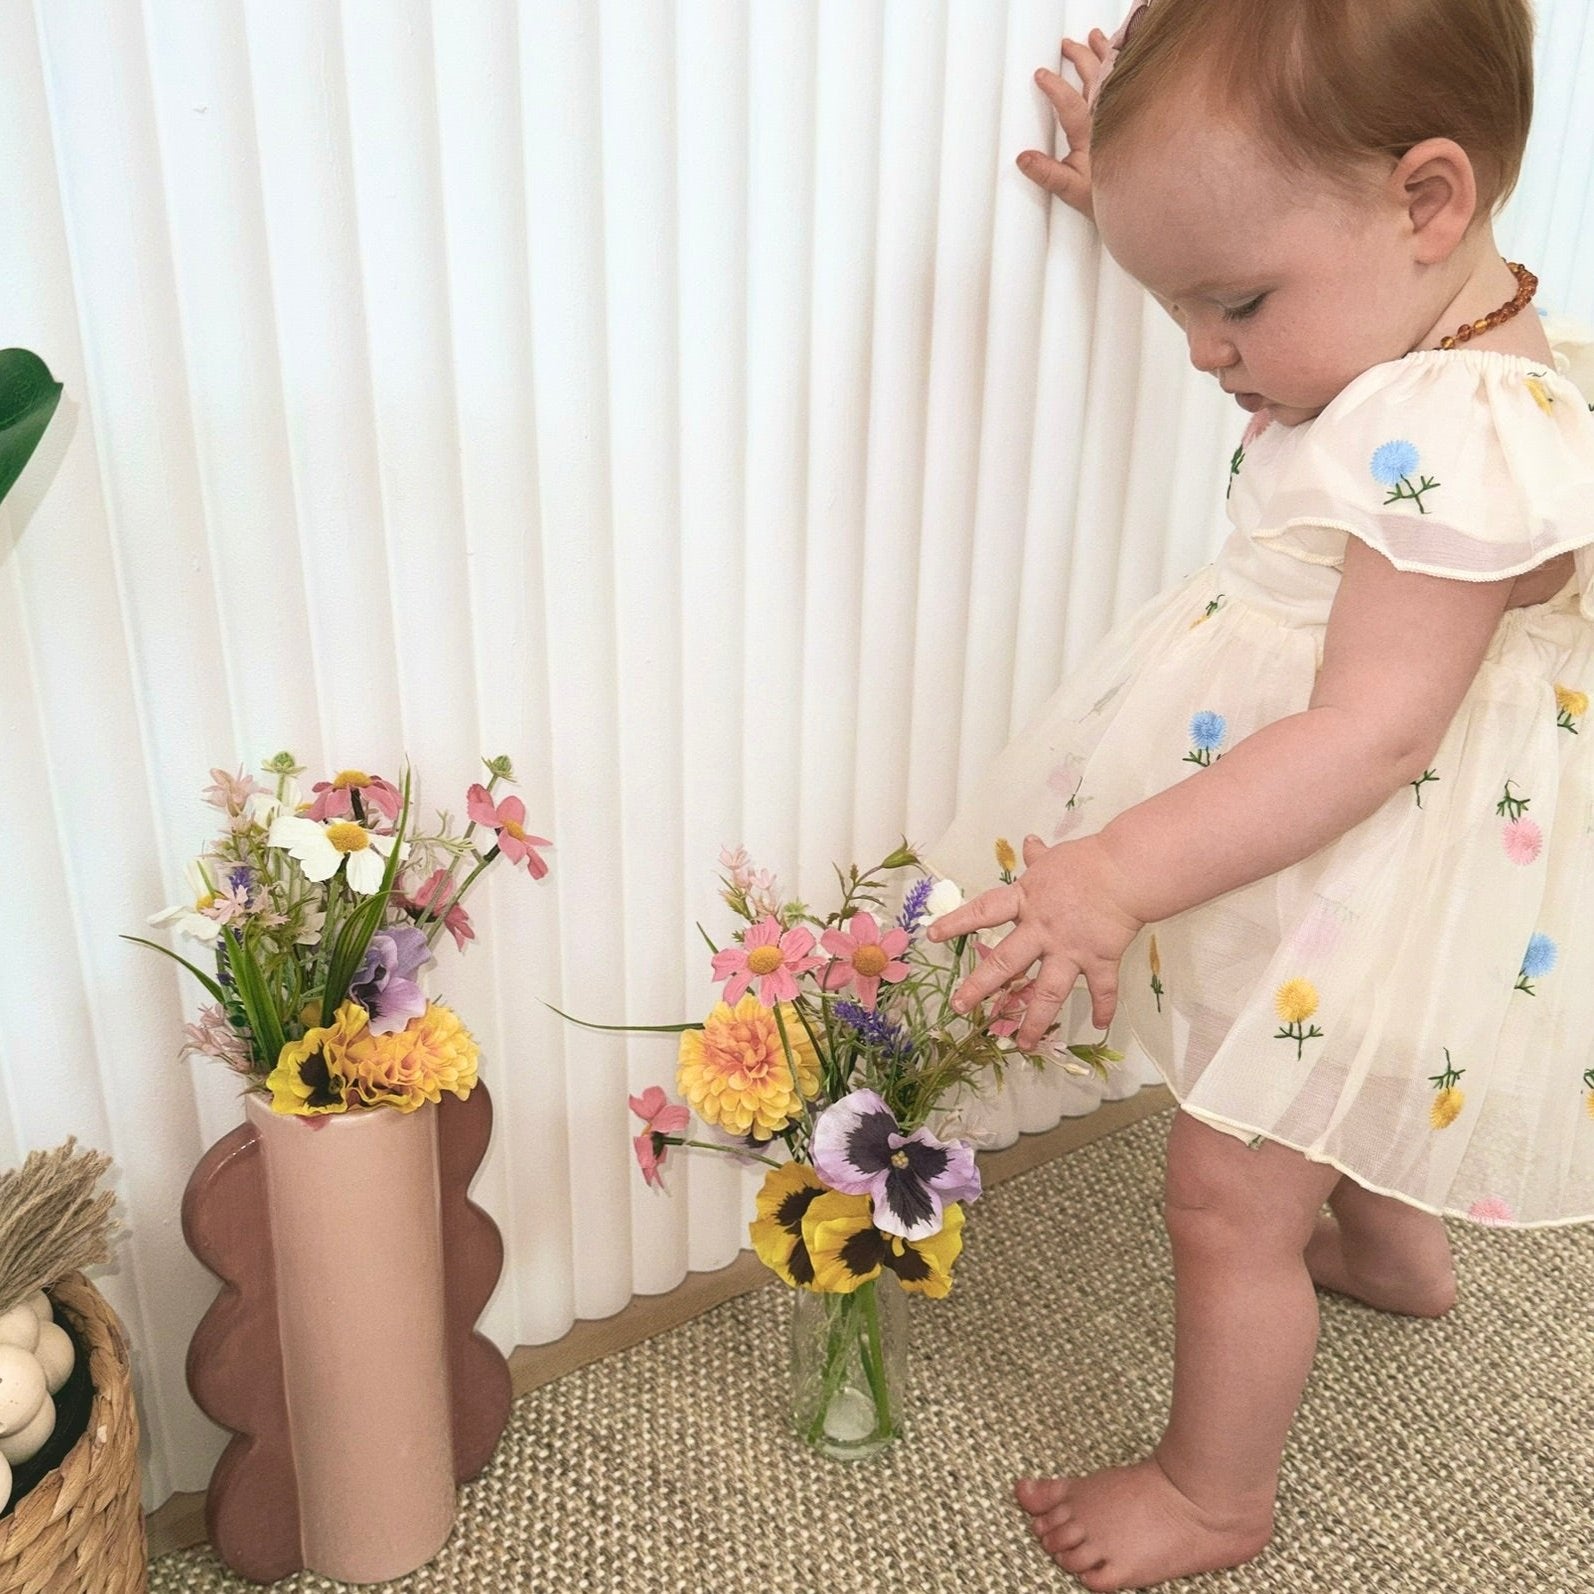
{"type": "Point", "coordinates": [5, 1482]}
{"type": "Point", "coordinates": [21, 1388]}
{"type": "Point", "coordinates": [20, 1326]}
{"type": "Point", "coordinates": [25, 1444]}
{"type": "Point", "coordinates": [40, 1302]}
{"type": "Point", "coordinates": [54, 1353]}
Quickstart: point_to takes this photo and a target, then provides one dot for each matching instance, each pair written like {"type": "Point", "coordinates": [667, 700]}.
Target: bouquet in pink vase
{"type": "Point", "coordinates": [319, 914]}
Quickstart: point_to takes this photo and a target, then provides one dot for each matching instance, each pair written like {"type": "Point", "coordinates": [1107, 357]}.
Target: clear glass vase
{"type": "Point", "coordinates": [849, 1368]}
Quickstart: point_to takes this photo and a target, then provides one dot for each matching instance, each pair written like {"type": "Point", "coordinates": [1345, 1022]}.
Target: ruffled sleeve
{"type": "Point", "coordinates": [1465, 463]}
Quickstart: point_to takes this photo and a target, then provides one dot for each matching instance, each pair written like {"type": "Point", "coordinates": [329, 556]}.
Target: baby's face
{"type": "Point", "coordinates": [1286, 289]}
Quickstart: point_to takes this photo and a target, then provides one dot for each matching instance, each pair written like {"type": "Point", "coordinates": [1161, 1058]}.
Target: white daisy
{"type": "Point", "coordinates": [188, 918]}
{"type": "Point", "coordinates": [321, 849]}
{"type": "Point", "coordinates": [943, 898]}
{"type": "Point", "coordinates": [263, 807]}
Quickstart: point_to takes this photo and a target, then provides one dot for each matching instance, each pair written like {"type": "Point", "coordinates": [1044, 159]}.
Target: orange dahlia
{"type": "Point", "coordinates": [734, 1073]}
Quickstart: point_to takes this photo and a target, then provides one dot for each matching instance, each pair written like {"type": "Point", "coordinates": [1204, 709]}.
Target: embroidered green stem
{"type": "Point", "coordinates": [1406, 490]}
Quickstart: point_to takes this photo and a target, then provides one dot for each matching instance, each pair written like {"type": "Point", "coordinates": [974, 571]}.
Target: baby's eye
{"type": "Point", "coordinates": [1243, 312]}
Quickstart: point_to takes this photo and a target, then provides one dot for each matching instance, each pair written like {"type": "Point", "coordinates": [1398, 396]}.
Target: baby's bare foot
{"type": "Point", "coordinates": [1130, 1527]}
{"type": "Point", "coordinates": [1385, 1283]}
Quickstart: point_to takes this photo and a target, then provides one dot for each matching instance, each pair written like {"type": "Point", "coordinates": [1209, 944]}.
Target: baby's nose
{"type": "Point", "coordinates": [1209, 352]}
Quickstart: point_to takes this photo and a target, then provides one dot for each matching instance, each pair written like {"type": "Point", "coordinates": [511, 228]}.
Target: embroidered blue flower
{"type": "Point", "coordinates": [1207, 731]}
{"type": "Point", "coordinates": [1393, 460]}
{"type": "Point", "coordinates": [1539, 958]}
{"type": "Point", "coordinates": [1392, 464]}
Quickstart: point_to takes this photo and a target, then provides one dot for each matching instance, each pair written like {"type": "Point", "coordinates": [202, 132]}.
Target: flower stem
{"type": "Point", "coordinates": [874, 1362]}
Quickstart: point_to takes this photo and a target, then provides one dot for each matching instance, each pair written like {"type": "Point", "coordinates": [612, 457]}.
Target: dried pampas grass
{"type": "Point", "coordinates": [51, 1220]}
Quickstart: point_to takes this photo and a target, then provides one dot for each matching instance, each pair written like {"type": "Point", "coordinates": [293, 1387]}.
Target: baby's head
{"type": "Point", "coordinates": [1310, 183]}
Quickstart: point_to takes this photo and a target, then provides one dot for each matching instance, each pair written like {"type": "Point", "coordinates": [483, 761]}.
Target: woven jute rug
{"type": "Point", "coordinates": [1449, 1457]}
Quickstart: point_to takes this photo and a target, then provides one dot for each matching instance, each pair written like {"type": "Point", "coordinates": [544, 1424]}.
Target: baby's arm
{"type": "Point", "coordinates": [1400, 652]}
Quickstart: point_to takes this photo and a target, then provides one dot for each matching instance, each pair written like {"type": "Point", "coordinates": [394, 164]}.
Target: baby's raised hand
{"type": "Point", "coordinates": [1067, 909]}
{"type": "Point", "coordinates": [1069, 178]}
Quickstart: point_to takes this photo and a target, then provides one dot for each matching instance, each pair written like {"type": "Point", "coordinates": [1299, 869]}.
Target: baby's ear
{"type": "Point", "coordinates": [1435, 184]}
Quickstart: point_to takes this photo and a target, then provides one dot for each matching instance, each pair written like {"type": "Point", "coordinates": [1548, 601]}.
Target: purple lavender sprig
{"type": "Point", "coordinates": [874, 1029]}
{"type": "Point", "coordinates": [913, 904]}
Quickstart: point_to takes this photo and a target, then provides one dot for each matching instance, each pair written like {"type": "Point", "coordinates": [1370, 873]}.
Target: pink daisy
{"type": "Point", "coordinates": [659, 1118]}
{"type": "Point", "coordinates": [1523, 840]}
{"type": "Point", "coordinates": [334, 798]}
{"type": "Point", "coordinates": [862, 957]}
{"type": "Point", "coordinates": [509, 820]}
{"type": "Point", "coordinates": [1491, 1210]}
{"type": "Point", "coordinates": [455, 919]}
{"type": "Point", "coordinates": [771, 957]}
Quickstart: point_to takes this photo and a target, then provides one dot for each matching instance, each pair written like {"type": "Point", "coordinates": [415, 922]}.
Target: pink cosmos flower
{"type": "Point", "coordinates": [1491, 1209]}
{"type": "Point", "coordinates": [509, 820]}
{"type": "Point", "coordinates": [770, 956]}
{"type": "Point", "coordinates": [1523, 840]}
{"type": "Point", "coordinates": [334, 799]}
{"type": "Point", "coordinates": [659, 1118]}
{"type": "Point", "coordinates": [455, 919]}
{"type": "Point", "coordinates": [863, 957]}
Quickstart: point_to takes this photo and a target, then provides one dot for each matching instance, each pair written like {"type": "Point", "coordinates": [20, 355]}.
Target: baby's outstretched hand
{"type": "Point", "coordinates": [1069, 178]}
{"type": "Point", "coordinates": [1067, 909]}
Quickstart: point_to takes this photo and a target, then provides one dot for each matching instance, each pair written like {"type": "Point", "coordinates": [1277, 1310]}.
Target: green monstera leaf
{"type": "Point", "coordinates": [28, 397]}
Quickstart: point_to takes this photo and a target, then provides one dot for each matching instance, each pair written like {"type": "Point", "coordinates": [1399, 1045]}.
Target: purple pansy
{"type": "Point", "coordinates": [384, 984]}
{"type": "Point", "coordinates": [859, 1149]}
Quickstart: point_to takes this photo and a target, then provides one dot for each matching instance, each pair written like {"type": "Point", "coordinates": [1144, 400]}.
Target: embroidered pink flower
{"type": "Point", "coordinates": [1491, 1210]}
{"type": "Point", "coordinates": [1259, 424]}
{"type": "Point", "coordinates": [770, 956]}
{"type": "Point", "coordinates": [509, 820]}
{"type": "Point", "coordinates": [1523, 840]}
{"type": "Point", "coordinates": [334, 799]}
{"type": "Point", "coordinates": [659, 1118]}
{"type": "Point", "coordinates": [863, 957]}
{"type": "Point", "coordinates": [455, 919]}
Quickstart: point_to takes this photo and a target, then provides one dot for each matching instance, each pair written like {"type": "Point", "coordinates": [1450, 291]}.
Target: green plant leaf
{"type": "Point", "coordinates": [630, 1029]}
{"type": "Point", "coordinates": [199, 974]}
{"type": "Point", "coordinates": [29, 395]}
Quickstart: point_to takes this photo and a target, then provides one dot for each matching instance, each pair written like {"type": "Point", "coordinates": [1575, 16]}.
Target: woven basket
{"type": "Point", "coordinates": [80, 1529]}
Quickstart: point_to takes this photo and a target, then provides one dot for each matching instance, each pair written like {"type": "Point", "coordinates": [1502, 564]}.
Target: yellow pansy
{"type": "Point", "coordinates": [313, 1075]}
{"type": "Point", "coordinates": [848, 1250]}
{"type": "Point", "coordinates": [777, 1231]}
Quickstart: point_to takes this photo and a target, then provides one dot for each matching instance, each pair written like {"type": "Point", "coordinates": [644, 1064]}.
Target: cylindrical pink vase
{"type": "Point", "coordinates": [357, 1245]}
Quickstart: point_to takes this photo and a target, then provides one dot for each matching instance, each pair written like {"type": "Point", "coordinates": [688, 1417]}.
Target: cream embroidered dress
{"type": "Point", "coordinates": [1413, 1003]}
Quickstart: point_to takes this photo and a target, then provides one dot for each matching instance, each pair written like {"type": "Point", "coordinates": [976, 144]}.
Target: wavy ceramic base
{"type": "Point", "coordinates": [342, 1351]}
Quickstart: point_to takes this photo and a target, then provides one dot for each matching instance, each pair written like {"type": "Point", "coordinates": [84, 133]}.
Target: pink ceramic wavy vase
{"type": "Point", "coordinates": [342, 1350]}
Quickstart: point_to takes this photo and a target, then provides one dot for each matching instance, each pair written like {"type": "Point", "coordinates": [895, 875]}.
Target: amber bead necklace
{"type": "Point", "coordinates": [1527, 286]}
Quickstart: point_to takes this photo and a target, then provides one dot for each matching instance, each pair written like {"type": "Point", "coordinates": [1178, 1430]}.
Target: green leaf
{"type": "Point", "coordinates": [28, 398]}
{"type": "Point", "coordinates": [362, 924]}
{"type": "Point", "coordinates": [264, 1023]}
{"type": "Point", "coordinates": [199, 974]}
{"type": "Point", "coordinates": [630, 1029]}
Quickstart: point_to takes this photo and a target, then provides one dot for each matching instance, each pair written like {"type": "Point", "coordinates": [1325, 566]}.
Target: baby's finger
{"type": "Point", "coordinates": [1008, 959]}
{"type": "Point", "coordinates": [1045, 1001]}
{"type": "Point", "coordinates": [990, 908]}
{"type": "Point", "coordinates": [1100, 43]}
{"type": "Point", "coordinates": [1085, 62]}
{"type": "Point", "coordinates": [1072, 187]}
{"type": "Point", "coordinates": [1073, 114]}
{"type": "Point", "coordinates": [1103, 983]}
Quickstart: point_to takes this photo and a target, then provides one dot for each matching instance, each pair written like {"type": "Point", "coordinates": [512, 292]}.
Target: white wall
{"type": "Point", "coordinates": [691, 400]}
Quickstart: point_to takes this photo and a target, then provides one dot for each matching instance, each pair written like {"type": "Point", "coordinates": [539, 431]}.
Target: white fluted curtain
{"type": "Point", "coordinates": [689, 399]}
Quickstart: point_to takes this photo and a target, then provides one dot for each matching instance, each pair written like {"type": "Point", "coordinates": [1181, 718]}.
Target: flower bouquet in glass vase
{"type": "Point", "coordinates": [833, 1059]}
{"type": "Point", "coordinates": [318, 914]}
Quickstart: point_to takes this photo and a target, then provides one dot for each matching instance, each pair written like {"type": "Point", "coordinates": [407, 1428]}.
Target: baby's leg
{"type": "Point", "coordinates": [1245, 1331]}
{"type": "Point", "coordinates": [1383, 1252]}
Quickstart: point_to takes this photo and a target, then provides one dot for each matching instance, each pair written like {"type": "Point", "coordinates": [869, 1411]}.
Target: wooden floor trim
{"type": "Point", "coordinates": [180, 1522]}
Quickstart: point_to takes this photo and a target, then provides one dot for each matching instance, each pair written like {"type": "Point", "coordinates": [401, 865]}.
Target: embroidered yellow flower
{"type": "Point", "coordinates": [1446, 1108]}
{"type": "Point", "coordinates": [1569, 705]}
{"type": "Point", "coordinates": [1542, 396]}
{"type": "Point", "coordinates": [1006, 858]}
{"type": "Point", "coordinates": [1296, 1001]}
{"type": "Point", "coordinates": [733, 1072]}
{"type": "Point", "coordinates": [1591, 1104]}
{"type": "Point", "coordinates": [313, 1075]}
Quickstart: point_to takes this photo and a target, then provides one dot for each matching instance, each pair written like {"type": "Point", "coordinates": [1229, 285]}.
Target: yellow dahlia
{"type": "Point", "coordinates": [313, 1075]}
{"type": "Point", "coordinates": [1296, 1001]}
{"type": "Point", "coordinates": [734, 1073]}
{"type": "Point", "coordinates": [404, 1069]}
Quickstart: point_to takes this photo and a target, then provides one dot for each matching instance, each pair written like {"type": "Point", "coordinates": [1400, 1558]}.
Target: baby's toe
{"type": "Point", "coordinates": [1038, 1495]}
{"type": "Point", "coordinates": [1082, 1558]}
{"type": "Point", "coordinates": [1064, 1538]}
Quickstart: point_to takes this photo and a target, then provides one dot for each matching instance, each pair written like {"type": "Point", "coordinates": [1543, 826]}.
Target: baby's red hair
{"type": "Point", "coordinates": [1329, 83]}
